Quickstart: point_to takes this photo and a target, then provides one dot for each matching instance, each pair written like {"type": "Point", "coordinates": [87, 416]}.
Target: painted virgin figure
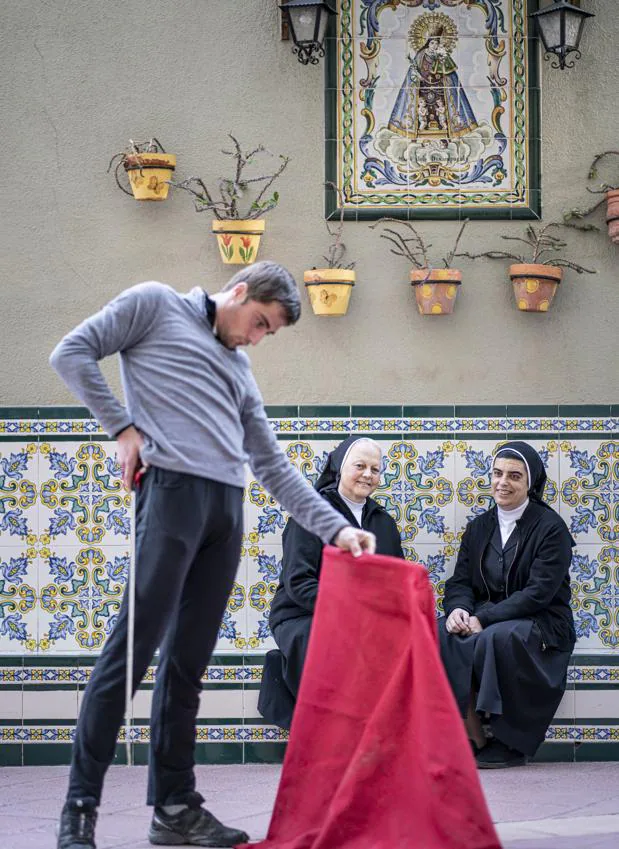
{"type": "Point", "coordinates": [431, 101]}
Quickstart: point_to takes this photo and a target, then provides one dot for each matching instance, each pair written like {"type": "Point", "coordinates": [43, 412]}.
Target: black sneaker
{"type": "Point", "coordinates": [77, 825]}
{"type": "Point", "coordinates": [496, 755]}
{"type": "Point", "coordinates": [193, 826]}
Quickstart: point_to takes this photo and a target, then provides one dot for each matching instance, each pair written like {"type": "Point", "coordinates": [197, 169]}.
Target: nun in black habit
{"type": "Point", "coordinates": [351, 474]}
{"type": "Point", "coordinates": [508, 631]}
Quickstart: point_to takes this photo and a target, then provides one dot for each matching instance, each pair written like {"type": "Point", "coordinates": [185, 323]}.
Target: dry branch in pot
{"type": "Point", "coordinates": [148, 169]}
{"type": "Point", "coordinates": [329, 288]}
{"type": "Point", "coordinates": [238, 231]}
{"type": "Point", "coordinates": [535, 278]}
{"type": "Point", "coordinates": [435, 287]}
{"type": "Point", "coordinates": [611, 197]}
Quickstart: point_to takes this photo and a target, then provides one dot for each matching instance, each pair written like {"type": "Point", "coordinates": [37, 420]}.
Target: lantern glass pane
{"type": "Point", "coordinates": [324, 20]}
{"type": "Point", "coordinates": [304, 22]}
{"type": "Point", "coordinates": [550, 30]}
{"type": "Point", "coordinates": [573, 26]}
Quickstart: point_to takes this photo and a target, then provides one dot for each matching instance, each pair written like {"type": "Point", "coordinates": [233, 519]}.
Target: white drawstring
{"type": "Point", "coordinates": [130, 633]}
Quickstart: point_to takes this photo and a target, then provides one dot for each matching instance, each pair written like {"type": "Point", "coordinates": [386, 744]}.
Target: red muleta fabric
{"type": "Point", "coordinates": [378, 756]}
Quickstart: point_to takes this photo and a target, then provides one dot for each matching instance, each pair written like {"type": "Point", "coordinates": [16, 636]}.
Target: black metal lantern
{"type": "Point", "coordinates": [307, 20]}
{"type": "Point", "coordinates": [560, 26]}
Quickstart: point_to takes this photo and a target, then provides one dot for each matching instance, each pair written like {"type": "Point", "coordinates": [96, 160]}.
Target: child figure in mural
{"type": "Point", "coordinates": [431, 101]}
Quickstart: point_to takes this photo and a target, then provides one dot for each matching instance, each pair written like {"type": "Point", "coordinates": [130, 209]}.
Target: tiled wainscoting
{"type": "Point", "coordinates": [65, 527]}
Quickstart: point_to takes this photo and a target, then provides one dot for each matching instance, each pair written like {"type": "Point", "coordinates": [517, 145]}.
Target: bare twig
{"type": "Point", "coordinates": [540, 242]}
{"type": "Point", "coordinates": [417, 255]}
{"type": "Point", "coordinates": [452, 253]}
{"type": "Point", "coordinates": [593, 168]}
{"type": "Point", "coordinates": [565, 263]}
{"type": "Point", "coordinates": [231, 190]}
{"type": "Point", "coordinates": [493, 255]}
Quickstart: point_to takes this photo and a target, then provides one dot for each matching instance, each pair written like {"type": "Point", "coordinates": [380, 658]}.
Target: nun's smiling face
{"type": "Point", "coordinates": [360, 474]}
{"type": "Point", "coordinates": [510, 483]}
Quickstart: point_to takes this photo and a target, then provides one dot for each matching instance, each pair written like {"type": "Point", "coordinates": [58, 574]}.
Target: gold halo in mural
{"type": "Point", "coordinates": [433, 25]}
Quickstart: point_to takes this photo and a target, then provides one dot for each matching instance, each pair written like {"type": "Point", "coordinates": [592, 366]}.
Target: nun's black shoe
{"type": "Point", "coordinates": [475, 748]}
{"type": "Point", "coordinates": [496, 755]}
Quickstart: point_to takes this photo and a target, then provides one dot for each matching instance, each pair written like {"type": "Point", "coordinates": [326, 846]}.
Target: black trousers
{"type": "Point", "coordinates": [188, 540]}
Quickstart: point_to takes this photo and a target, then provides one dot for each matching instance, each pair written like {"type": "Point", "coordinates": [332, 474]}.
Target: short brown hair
{"type": "Point", "coordinates": [267, 282]}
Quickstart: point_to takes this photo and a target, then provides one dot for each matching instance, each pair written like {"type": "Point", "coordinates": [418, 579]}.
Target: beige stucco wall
{"type": "Point", "coordinates": [77, 79]}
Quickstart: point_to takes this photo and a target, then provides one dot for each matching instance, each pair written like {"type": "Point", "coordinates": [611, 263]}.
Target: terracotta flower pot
{"type": "Point", "coordinates": [148, 174]}
{"type": "Point", "coordinates": [238, 240]}
{"type": "Point", "coordinates": [612, 215]}
{"type": "Point", "coordinates": [329, 289]}
{"type": "Point", "coordinates": [535, 285]}
{"type": "Point", "coordinates": [436, 289]}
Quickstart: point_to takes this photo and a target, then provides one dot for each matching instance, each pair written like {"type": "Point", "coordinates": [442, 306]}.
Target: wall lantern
{"type": "Point", "coordinates": [307, 21]}
{"type": "Point", "coordinates": [560, 26]}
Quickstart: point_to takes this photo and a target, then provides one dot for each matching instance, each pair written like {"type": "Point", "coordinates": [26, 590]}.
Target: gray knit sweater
{"type": "Point", "coordinates": [195, 401]}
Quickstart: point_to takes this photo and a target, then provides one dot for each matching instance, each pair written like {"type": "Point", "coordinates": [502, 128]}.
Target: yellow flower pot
{"type": "Point", "coordinates": [435, 289]}
{"type": "Point", "coordinates": [238, 240]}
{"type": "Point", "coordinates": [148, 174]}
{"type": "Point", "coordinates": [329, 289]}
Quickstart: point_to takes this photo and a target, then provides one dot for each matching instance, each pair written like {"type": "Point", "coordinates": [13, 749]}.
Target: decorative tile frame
{"type": "Point", "coordinates": [433, 110]}
{"type": "Point", "coordinates": [65, 539]}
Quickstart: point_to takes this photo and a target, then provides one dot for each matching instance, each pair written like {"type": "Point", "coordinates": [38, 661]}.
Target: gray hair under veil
{"type": "Point", "coordinates": [330, 475]}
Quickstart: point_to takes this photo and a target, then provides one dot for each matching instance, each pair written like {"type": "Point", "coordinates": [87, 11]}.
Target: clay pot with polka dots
{"type": "Point", "coordinates": [534, 285]}
{"type": "Point", "coordinates": [612, 215]}
{"type": "Point", "coordinates": [435, 289]}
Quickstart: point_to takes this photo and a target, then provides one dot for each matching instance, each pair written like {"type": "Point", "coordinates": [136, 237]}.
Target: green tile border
{"type": "Point", "coordinates": [264, 753]}
{"type": "Point", "coordinates": [433, 412]}
{"type": "Point", "coordinates": [455, 410]}
{"type": "Point", "coordinates": [11, 754]}
{"type": "Point", "coordinates": [328, 411]}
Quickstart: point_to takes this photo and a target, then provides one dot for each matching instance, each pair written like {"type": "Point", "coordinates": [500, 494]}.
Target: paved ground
{"type": "Point", "coordinates": [541, 806]}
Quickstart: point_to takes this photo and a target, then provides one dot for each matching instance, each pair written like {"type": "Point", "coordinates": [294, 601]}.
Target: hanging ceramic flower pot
{"type": "Point", "coordinates": [612, 214]}
{"type": "Point", "coordinates": [535, 285]}
{"type": "Point", "coordinates": [329, 289]}
{"type": "Point", "coordinates": [149, 173]}
{"type": "Point", "coordinates": [435, 289]}
{"type": "Point", "coordinates": [238, 239]}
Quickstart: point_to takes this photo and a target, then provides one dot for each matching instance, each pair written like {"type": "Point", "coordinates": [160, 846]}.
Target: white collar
{"type": "Point", "coordinates": [507, 517]}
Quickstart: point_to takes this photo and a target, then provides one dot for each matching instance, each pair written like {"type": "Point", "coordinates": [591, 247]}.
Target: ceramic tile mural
{"type": "Point", "coordinates": [433, 109]}
{"type": "Point", "coordinates": [65, 543]}
{"type": "Point", "coordinates": [65, 522]}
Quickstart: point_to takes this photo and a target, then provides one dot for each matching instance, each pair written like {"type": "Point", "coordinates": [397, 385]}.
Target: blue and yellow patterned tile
{"type": "Point", "coordinates": [595, 597]}
{"type": "Point", "coordinates": [18, 599]}
{"type": "Point", "coordinates": [233, 629]}
{"type": "Point", "coordinates": [264, 566]}
{"type": "Point", "coordinates": [19, 626]}
{"type": "Point", "coordinates": [473, 465]}
{"type": "Point", "coordinates": [439, 561]}
{"type": "Point", "coordinates": [81, 496]}
{"type": "Point", "coordinates": [589, 494]}
{"type": "Point", "coordinates": [417, 488]}
{"type": "Point", "coordinates": [81, 588]}
{"type": "Point", "coordinates": [19, 475]}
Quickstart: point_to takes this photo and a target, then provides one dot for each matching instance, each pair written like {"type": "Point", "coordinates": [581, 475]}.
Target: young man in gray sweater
{"type": "Point", "coordinates": [193, 417]}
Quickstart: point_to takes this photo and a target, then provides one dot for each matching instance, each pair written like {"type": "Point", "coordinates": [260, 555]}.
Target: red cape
{"type": "Point", "coordinates": [378, 756]}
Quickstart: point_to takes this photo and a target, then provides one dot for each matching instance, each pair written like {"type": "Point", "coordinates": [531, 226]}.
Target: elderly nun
{"type": "Point", "coordinates": [508, 630]}
{"type": "Point", "coordinates": [351, 474]}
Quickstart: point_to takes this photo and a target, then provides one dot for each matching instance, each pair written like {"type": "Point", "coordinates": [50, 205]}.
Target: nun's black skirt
{"type": "Point", "coordinates": [283, 667]}
{"type": "Point", "coordinates": [517, 684]}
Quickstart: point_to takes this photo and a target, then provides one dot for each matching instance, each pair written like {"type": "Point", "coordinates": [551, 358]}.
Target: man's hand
{"type": "Point", "coordinates": [130, 442]}
{"type": "Point", "coordinates": [458, 621]}
{"type": "Point", "coordinates": [356, 541]}
{"type": "Point", "coordinates": [475, 626]}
